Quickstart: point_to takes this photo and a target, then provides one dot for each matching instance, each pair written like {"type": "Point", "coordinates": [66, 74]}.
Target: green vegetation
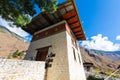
{"type": "Point", "coordinates": [20, 11]}
{"type": "Point", "coordinates": [96, 71]}
{"type": "Point", "coordinates": [93, 78]}
{"type": "Point", "coordinates": [1, 30]}
{"type": "Point", "coordinates": [16, 55]}
{"type": "Point", "coordinates": [108, 72]}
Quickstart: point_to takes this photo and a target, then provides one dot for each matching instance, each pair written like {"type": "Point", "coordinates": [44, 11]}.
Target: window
{"type": "Point", "coordinates": [79, 58]}
{"type": "Point", "coordinates": [74, 54]}
{"type": "Point", "coordinates": [42, 53]}
{"type": "Point", "coordinates": [72, 41]}
{"type": "Point", "coordinates": [76, 44]}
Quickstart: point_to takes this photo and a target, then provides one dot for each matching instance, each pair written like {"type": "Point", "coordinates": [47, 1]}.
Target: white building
{"type": "Point", "coordinates": [54, 41]}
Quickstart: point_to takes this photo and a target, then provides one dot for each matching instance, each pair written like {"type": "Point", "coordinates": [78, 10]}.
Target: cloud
{"type": "Point", "coordinates": [100, 43]}
{"type": "Point", "coordinates": [118, 37]}
{"type": "Point", "coordinates": [14, 29]}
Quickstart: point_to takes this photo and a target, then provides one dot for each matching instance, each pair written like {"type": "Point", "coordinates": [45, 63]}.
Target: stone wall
{"type": "Point", "coordinates": [21, 70]}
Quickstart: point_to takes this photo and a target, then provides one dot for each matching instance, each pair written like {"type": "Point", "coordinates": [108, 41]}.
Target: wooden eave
{"type": "Point", "coordinates": [66, 11]}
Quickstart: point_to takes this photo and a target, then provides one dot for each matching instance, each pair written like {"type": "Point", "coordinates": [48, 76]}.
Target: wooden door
{"type": "Point", "coordinates": [42, 53]}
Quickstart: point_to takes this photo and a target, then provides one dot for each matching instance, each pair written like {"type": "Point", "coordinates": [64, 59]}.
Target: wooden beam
{"type": "Point", "coordinates": [47, 18]}
{"type": "Point", "coordinates": [60, 15]}
{"type": "Point", "coordinates": [78, 17]}
{"type": "Point", "coordinates": [63, 6]}
{"type": "Point", "coordinates": [78, 33]}
{"type": "Point", "coordinates": [38, 19]}
{"type": "Point", "coordinates": [54, 17]}
{"type": "Point", "coordinates": [51, 31]}
{"type": "Point", "coordinates": [69, 14]}
{"type": "Point", "coordinates": [75, 24]}
{"type": "Point", "coordinates": [30, 27]}
{"type": "Point", "coordinates": [29, 30]}
{"type": "Point", "coordinates": [80, 36]}
{"type": "Point", "coordinates": [76, 29]}
{"type": "Point", "coordinates": [72, 20]}
{"type": "Point", "coordinates": [36, 26]}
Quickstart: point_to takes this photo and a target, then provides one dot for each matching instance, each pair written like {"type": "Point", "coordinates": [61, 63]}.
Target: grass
{"type": "Point", "coordinates": [1, 30]}
{"type": "Point", "coordinates": [108, 72]}
{"type": "Point", "coordinates": [96, 71]}
{"type": "Point", "coordinates": [16, 55]}
{"type": "Point", "coordinates": [94, 78]}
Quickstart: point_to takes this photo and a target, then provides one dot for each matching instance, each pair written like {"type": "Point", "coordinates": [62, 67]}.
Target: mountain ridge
{"type": "Point", "coordinates": [100, 59]}
{"type": "Point", "coordinates": [10, 32]}
{"type": "Point", "coordinates": [115, 55]}
{"type": "Point", "coordinates": [10, 42]}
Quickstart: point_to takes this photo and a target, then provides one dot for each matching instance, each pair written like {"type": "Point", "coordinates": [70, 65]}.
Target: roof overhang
{"type": "Point", "coordinates": [66, 11]}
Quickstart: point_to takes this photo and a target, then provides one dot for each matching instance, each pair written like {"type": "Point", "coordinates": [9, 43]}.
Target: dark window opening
{"type": "Point", "coordinates": [74, 54]}
{"type": "Point", "coordinates": [88, 68]}
{"type": "Point", "coordinates": [76, 44]}
{"type": "Point", "coordinates": [42, 53]}
{"type": "Point", "coordinates": [79, 58]}
{"type": "Point", "coordinates": [72, 41]}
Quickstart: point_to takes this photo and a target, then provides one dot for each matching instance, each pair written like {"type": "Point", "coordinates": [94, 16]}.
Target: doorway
{"type": "Point", "coordinates": [42, 53]}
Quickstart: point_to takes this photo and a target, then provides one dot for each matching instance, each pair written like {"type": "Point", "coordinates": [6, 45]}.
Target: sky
{"type": "Point", "coordinates": [101, 23]}
{"type": "Point", "coordinates": [15, 29]}
{"type": "Point", "coordinates": [100, 20]}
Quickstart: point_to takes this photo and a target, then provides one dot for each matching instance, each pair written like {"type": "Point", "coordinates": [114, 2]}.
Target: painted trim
{"type": "Point", "coordinates": [49, 32]}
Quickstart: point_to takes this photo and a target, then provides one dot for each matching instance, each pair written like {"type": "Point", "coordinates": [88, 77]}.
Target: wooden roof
{"type": "Point", "coordinates": [66, 11]}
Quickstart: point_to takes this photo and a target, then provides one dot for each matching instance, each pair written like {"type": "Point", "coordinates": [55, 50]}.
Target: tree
{"type": "Point", "coordinates": [19, 11]}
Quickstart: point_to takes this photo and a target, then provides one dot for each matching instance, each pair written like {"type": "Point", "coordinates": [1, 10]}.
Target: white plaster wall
{"type": "Point", "coordinates": [76, 70]}
{"type": "Point", "coordinates": [21, 70]}
{"type": "Point", "coordinates": [59, 69]}
{"type": "Point", "coordinates": [64, 67]}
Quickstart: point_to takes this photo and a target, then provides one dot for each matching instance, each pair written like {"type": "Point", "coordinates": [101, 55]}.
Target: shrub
{"type": "Point", "coordinates": [94, 78]}
{"type": "Point", "coordinates": [17, 53]}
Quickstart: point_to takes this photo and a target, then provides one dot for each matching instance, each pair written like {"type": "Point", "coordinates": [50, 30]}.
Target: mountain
{"type": "Point", "coordinates": [4, 29]}
{"type": "Point", "coordinates": [10, 42]}
{"type": "Point", "coordinates": [101, 59]}
{"type": "Point", "coordinates": [115, 55]}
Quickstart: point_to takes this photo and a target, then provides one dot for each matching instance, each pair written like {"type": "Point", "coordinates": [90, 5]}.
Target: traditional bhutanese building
{"type": "Point", "coordinates": [55, 41]}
